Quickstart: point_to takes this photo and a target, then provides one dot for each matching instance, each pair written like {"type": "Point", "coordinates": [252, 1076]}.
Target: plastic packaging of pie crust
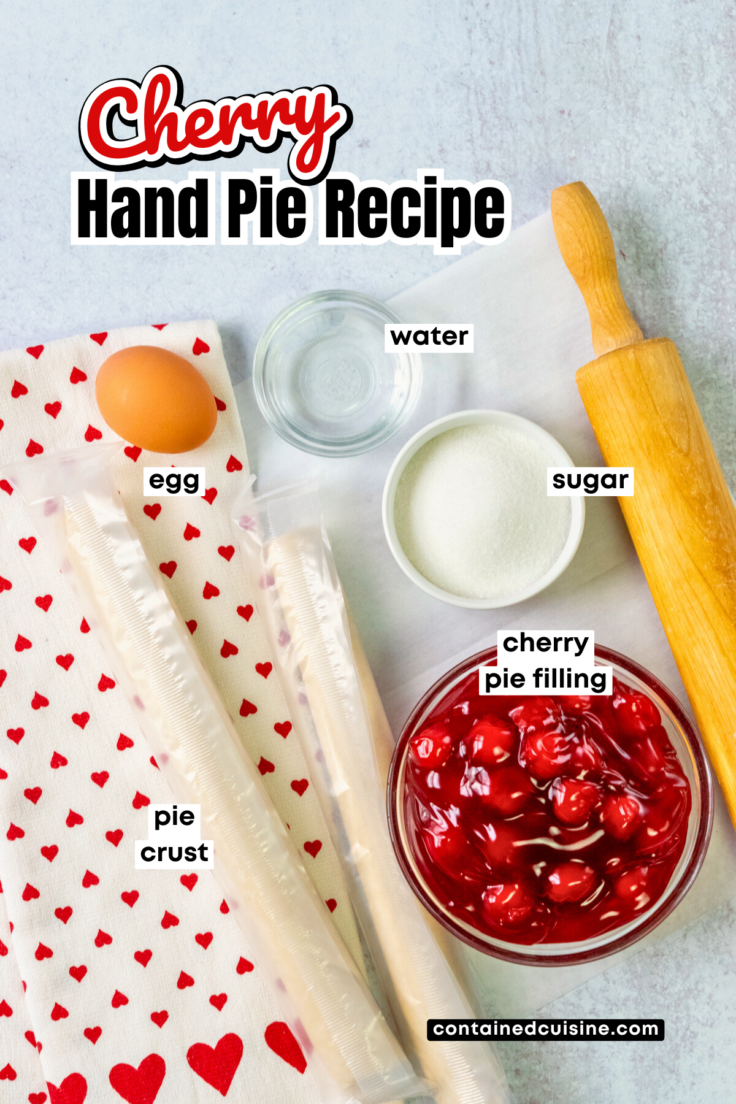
{"type": "Point", "coordinates": [324, 998]}
{"type": "Point", "coordinates": [303, 612]}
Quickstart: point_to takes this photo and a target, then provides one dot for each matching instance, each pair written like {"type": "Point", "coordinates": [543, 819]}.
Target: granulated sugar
{"type": "Point", "coordinates": [472, 512]}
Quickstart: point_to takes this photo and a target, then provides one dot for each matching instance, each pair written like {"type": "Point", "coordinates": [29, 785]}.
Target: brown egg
{"type": "Point", "coordinates": [155, 399]}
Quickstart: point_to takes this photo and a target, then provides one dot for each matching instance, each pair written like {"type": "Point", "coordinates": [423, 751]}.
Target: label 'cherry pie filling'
{"type": "Point", "coordinates": [545, 819]}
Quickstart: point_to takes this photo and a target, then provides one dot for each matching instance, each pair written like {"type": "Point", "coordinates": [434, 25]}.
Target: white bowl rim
{"type": "Point", "coordinates": [478, 417]}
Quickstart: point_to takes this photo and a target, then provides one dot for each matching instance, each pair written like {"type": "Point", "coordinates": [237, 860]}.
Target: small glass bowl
{"type": "Point", "coordinates": [503, 420]}
{"type": "Point", "coordinates": [689, 748]}
{"type": "Point", "coordinates": [323, 380]}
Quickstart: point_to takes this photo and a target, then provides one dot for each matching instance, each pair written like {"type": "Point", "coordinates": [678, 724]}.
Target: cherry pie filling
{"type": "Point", "coordinates": [545, 819]}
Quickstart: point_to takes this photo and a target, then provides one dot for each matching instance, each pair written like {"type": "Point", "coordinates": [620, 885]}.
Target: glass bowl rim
{"type": "Point", "coordinates": [359, 443]}
{"type": "Point", "coordinates": [700, 846]}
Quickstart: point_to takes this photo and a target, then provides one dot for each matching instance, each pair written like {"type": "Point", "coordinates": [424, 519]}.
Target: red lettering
{"type": "Point", "coordinates": [242, 115]}
{"type": "Point", "coordinates": [168, 132]}
{"type": "Point", "coordinates": [158, 98]}
{"type": "Point", "coordinates": [198, 122]}
{"type": "Point", "coordinates": [308, 155]}
{"type": "Point", "coordinates": [100, 147]}
{"type": "Point", "coordinates": [267, 113]}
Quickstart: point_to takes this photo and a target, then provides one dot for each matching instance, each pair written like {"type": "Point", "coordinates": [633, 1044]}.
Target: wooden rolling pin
{"type": "Point", "coordinates": [681, 517]}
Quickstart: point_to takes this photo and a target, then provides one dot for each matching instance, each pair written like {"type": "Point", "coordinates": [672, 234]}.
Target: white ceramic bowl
{"type": "Point", "coordinates": [558, 458]}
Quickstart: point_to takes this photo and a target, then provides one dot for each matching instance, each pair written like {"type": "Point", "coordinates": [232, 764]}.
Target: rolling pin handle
{"type": "Point", "coordinates": [587, 249]}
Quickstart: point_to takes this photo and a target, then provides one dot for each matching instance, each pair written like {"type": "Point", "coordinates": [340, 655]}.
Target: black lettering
{"type": "Point", "coordinates": [598, 682]}
{"type": "Point", "coordinates": [190, 854]}
{"type": "Point", "coordinates": [410, 227]}
{"type": "Point", "coordinates": [488, 203]}
{"type": "Point", "coordinates": [150, 205]}
{"type": "Point", "coordinates": [450, 337]}
{"type": "Point", "coordinates": [242, 198]}
{"type": "Point", "coordinates": [590, 482]}
{"type": "Point", "coordinates": [291, 202]}
{"type": "Point", "coordinates": [400, 337]}
{"type": "Point", "coordinates": [191, 486]}
{"type": "Point", "coordinates": [198, 195]}
{"type": "Point", "coordinates": [158, 819]}
{"type": "Point", "coordinates": [187, 818]}
{"type": "Point", "coordinates": [86, 205]}
{"type": "Point", "coordinates": [157, 481]}
{"type": "Point", "coordinates": [339, 214]}
{"type": "Point", "coordinates": [372, 202]}
{"type": "Point", "coordinates": [125, 221]}
{"type": "Point", "coordinates": [430, 208]}
{"type": "Point", "coordinates": [175, 857]}
{"type": "Point", "coordinates": [173, 486]}
{"type": "Point", "coordinates": [266, 209]}
{"type": "Point", "coordinates": [558, 481]}
{"type": "Point", "coordinates": [148, 858]}
{"type": "Point", "coordinates": [463, 335]}
{"type": "Point", "coordinates": [455, 208]}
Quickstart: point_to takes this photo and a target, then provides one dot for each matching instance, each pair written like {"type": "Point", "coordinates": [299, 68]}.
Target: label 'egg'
{"type": "Point", "coordinates": [155, 399]}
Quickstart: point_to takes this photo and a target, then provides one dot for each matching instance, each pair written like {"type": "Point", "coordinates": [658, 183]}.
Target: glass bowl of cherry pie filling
{"type": "Point", "coordinates": [550, 830]}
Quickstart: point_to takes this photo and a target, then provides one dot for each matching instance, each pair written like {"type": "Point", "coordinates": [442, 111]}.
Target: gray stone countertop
{"type": "Point", "coordinates": [636, 99]}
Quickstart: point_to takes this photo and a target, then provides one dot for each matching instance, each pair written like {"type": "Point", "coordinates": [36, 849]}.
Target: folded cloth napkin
{"type": "Point", "coordinates": [135, 985]}
{"type": "Point", "coordinates": [531, 334]}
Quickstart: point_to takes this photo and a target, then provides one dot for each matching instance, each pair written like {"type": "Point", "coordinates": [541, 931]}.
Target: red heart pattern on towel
{"type": "Point", "coordinates": [89, 755]}
{"type": "Point", "coordinates": [282, 1042]}
{"type": "Point", "coordinates": [72, 1090]}
{"type": "Point", "coordinates": [217, 1065]}
{"type": "Point", "coordinates": [139, 1085]}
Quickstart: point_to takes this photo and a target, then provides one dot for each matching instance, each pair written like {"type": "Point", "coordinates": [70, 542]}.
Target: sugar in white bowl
{"type": "Point", "coordinates": [472, 513]}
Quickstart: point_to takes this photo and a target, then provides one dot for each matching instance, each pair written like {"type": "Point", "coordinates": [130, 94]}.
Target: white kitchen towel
{"type": "Point", "coordinates": [531, 334]}
{"type": "Point", "coordinates": [138, 985]}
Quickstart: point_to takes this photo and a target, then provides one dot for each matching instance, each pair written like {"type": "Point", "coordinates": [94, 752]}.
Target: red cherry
{"type": "Point", "coordinates": [586, 756]}
{"type": "Point", "coordinates": [459, 719]}
{"type": "Point", "coordinates": [444, 787]}
{"type": "Point", "coordinates": [535, 714]}
{"type": "Point", "coordinates": [621, 815]}
{"type": "Point", "coordinates": [573, 800]}
{"type": "Point", "coordinates": [505, 790]}
{"type": "Point", "coordinates": [447, 847]}
{"type": "Point", "coordinates": [570, 881]}
{"type": "Point", "coordinates": [489, 742]}
{"type": "Point", "coordinates": [662, 823]}
{"type": "Point", "coordinates": [496, 841]}
{"type": "Point", "coordinates": [631, 886]}
{"type": "Point", "coordinates": [577, 703]}
{"type": "Point", "coordinates": [636, 714]}
{"type": "Point", "coordinates": [647, 757]}
{"type": "Point", "coordinates": [431, 747]}
{"type": "Point", "coordinates": [507, 905]}
{"type": "Point", "coordinates": [545, 754]}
